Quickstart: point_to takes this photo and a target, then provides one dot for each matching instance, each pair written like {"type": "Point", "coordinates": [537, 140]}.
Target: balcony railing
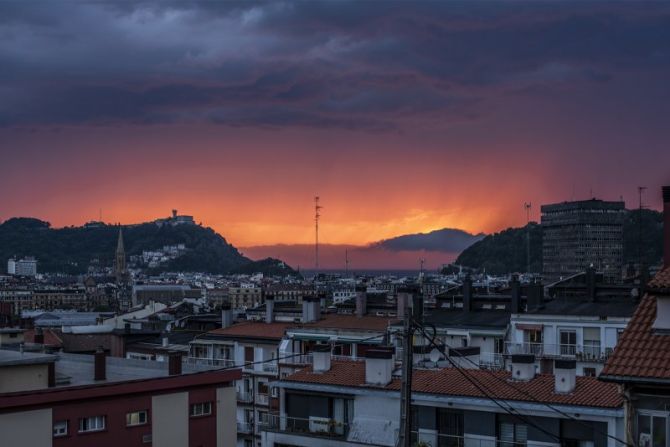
{"type": "Point", "coordinates": [432, 438]}
{"type": "Point", "coordinates": [223, 363]}
{"type": "Point", "coordinates": [262, 399]}
{"type": "Point", "coordinates": [245, 396]}
{"type": "Point", "coordinates": [270, 367]}
{"type": "Point", "coordinates": [295, 359]}
{"type": "Point", "coordinates": [313, 426]}
{"type": "Point", "coordinates": [591, 352]}
{"type": "Point", "coordinates": [491, 360]}
{"type": "Point", "coordinates": [245, 427]}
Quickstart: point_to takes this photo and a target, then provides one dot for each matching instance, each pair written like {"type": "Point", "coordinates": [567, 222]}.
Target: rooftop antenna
{"type": "Point", "coordinates": [640, 191]}
{"type": "Point", "coordinates": [317, 215]}
{"type": "Point", "coordinates": [346, 263]}
{"type": "Point", "coordinates": [100, 215]}
{"type": "Point", "coordinates": [528, 206]}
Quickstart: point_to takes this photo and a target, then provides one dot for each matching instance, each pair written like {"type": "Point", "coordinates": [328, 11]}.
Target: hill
{"type": "Point", "coordinates": [71, 249]}
{"type": "Point", "coordinates": [505, 252]}
{"type": "Point", "coordinates": [445, 240]}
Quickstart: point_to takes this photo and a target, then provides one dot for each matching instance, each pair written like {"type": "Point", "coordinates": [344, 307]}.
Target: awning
{"type": "Point", "coordinates": [529, 327]}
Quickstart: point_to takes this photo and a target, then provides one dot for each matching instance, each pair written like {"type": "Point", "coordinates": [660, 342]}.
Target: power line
{"type": "Point", "coordinates": [530, 396]}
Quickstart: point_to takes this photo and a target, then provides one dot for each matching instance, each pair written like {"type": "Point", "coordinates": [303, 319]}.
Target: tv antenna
{"type": "Point", "coordinates": [527, 206]}
{"type": "Point", "coordinates": [346, 263]}
{"type": "Point", "coordinates": [317, 215]}
{"type": "Point", "coordinates": [640, 192]}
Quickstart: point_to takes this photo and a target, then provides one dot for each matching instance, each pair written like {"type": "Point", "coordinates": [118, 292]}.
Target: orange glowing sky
{"type": "Point", "coordinates": [403, 117]}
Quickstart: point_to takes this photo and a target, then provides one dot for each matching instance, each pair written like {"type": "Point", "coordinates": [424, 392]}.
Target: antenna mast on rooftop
{"type": "Point", "coordinates": [640, 191]}
{"type": "Point", "coordinates": [317, 215]}
{"type": "Point", "coordinates": [528, 206]}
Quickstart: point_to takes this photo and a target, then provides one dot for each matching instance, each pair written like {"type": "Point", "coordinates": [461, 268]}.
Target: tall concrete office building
{"type": "Point", "coordinates": [576, 235]}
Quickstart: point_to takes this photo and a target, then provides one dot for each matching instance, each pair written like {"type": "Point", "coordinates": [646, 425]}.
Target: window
{"type": "Point", "coordinates": [201, 409]}
{"type": "Point", "coordinates": [263, 388]}
{"type": "Point", "coordinates": [568, 342]}
{"type": "Point", "coordinates": [60, 428]}
{"type": "Point", "coordinates": [590, 372]}
{"type": "Point", "coordinates": [651, 429]}
{"type": "Point", "coordinates": [510, 433]}
{"type": "Point", "coordinates": [249, 354]}
{"type": "Point", "coordinates": [592, 342]}
{"type": "Point", "coordinates": [136, 418]}
{"type": "Point", "coordinates": [95, 423]}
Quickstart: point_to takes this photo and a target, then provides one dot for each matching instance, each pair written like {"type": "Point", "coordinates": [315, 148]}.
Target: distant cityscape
{"type": "Point", "coordinates": [457, 357]}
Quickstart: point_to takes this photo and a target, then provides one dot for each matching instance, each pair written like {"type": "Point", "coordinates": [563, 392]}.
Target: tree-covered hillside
{"type": "Point", "coordinates": [71, 249]}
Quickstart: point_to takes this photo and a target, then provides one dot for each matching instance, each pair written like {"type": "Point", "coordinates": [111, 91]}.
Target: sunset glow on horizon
{"type": "Point", "coordinates": [240, 114]}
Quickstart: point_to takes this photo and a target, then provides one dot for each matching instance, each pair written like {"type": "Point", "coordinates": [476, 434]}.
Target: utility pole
{"type": "Point", "coordinates": [404, 435]}
{"type": "Point", "coordinates": [317, 214]}
{"type": "Point", "coordinates": [527, 206]}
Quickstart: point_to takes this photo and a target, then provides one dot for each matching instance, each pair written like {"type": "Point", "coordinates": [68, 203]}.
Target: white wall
{"type": "Point", "coordinates": [169, 420]}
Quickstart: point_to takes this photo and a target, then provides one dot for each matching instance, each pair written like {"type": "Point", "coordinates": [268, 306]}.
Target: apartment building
{"type": "Point", "coordinates": [74, 400]}
{"type": "Point", "coordinates": [340, 403]}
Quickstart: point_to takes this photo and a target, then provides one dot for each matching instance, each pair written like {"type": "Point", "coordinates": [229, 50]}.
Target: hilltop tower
{"type": "Point", "coordinates": [120, 264]}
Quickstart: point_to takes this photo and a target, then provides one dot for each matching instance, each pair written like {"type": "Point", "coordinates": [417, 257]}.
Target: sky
{"type": "Point", "coordinates": [403, 117]}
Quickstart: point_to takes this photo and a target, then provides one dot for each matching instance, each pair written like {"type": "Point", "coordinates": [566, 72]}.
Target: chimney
{"type": "Point", "coordinates": [565, 373]}
{"type": "Point", "coordinates": [535, 295]}
{"type": "Point", "coordinates": [402, 300]}
{"type": "Point", "coordinates": [311, 310]}
{"type": "Point", "coordinates": [523, 367]}
{"type": "Point", "coordinates": [321, 358]}
{"type": "Point", "coordinates": [378, 366]}
{"type": "Point", "coordinates": [666, 226]}
{"type": "Point", "coordinates": [51, 374]}
{"type": "Point", "coordinates": [591, 283]}
{"type": "Point", "coordinates": [417, 307]}
{"type": "Point", "coordinates": [269, 308]}
{"type": "Point", "coordinates": [323, 300]}
{"type": "Point", "coordinates": [361, 301]}
{"type": "Point", "coordinates": [165, 341]}
{"type": "Point", "coordinates": [466, 358]}
{"type": "Point", "coordinates": [174, 363]}
{"type": "Point", "coordinates": [126, 328]}
{"type": "Point", "coordinates": [99, 364]}
{"type": "Point", "coordinates": [39, 336]}
{"type": "Point", "coordinates": [515, 294]}
{"type": "Point", "coordinates": [467, 293]}
{"type": "Point", "coordinates": [226, 315]}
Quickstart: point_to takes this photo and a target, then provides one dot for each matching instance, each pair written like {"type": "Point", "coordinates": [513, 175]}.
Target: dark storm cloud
{"type": "Point", "coordinates": [353, 65]}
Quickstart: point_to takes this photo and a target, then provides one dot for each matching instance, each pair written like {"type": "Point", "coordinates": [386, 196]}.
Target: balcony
{"type": "Point", "coordinates": [588, 353]}
{"type": "Point", "coordinates": [435, 439]}
{"type": "Point", "coordinates": [223, 363]}
{"type": "Point", "coordinates": [245, 396]}
{"type": "Point", "coordinates": [262, 399]}
{"type": "Point", "coordinates": [295, 359]}
{"type": "Point", "coordinates": [270, 368]}
{"type": "Point", "coordinates": [313, 426]}
{"type": "Point", "coordinates": [245, 427]}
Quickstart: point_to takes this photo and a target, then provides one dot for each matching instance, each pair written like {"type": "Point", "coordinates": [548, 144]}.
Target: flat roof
{"type": "Point", "coordinates": [14, 358]}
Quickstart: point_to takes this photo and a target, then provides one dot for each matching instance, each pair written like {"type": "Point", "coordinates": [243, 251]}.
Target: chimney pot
{"type": "Point", "coordinates": [321, 358]}
{"type": "Point", "coordinates": [361, 301]}
{"type": "Point", "coordinates": [226, 315]}
{"type": "Point", "coordinates": [523, 367]}
{"type": "Point", "coordinates": [565, 376]}
{"type": "Point", "coordinates": [467, 294]}
{"type": "Point", "coordinates": [379, 366]}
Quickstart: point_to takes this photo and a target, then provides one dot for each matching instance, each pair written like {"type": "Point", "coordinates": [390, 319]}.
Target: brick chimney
{"type": "Point", "coordinates": [99, 364]}
{"type": "Point", "coordinates": [174, 363]}
{"type": "Point", "coordinates": [666, 226]}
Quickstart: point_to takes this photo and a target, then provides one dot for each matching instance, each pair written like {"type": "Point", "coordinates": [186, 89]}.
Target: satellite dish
{"type": "Point", "coordinates": [435, 355]}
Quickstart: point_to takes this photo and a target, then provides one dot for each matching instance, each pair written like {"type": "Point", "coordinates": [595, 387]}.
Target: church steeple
{"type": "Point", "coordinates": [120, 265]}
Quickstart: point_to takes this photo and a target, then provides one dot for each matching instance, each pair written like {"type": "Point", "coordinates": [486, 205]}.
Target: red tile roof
{"type": "Point", "coordinates": [254, 329]}
{"type": "Point", "coordinates": [588, 392]}
{"type": "Point", "coordinates": [276, 330]}
{"type": "Point", "coordinates": [640, 352]}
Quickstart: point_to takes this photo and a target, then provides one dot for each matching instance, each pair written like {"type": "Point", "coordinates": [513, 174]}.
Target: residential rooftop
{"type": "Point", "coordinates": [588, 392]}
{"type": "Point", "coordinates": [641, 353]}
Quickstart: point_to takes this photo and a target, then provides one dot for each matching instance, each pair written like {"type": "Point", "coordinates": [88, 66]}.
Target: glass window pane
{"type": "Point", "coordinates": [658, 431]}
